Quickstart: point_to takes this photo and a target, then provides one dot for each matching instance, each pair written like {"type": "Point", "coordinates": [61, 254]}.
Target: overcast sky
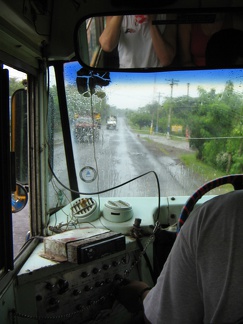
{"type": "Point", "coordinates": [15, 73]}
{"type": "Point", "coordinates": [134, 90]}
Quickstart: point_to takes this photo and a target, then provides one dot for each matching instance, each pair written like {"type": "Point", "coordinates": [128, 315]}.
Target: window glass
{"type": "Point", "coordinates": [185, 126]}
{"type": "Point", "coordinates": [58, 196]}
{"type": "Point", "coordinates": [21, 225]}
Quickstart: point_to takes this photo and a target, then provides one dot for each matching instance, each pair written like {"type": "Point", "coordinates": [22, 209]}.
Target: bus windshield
{"type": "Point", "coordinates": [183, 127]}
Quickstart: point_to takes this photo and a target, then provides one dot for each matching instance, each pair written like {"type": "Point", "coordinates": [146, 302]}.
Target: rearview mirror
{"type": "Point", "coordinates": [19, 143]}
{"type": "Point", "coordinates": [19, 198]}
{"type": "Point", "coordinates": [161, 41]}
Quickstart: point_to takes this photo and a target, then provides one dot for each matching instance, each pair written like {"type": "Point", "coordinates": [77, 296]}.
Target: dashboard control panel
{"type": "Point", "coordinates": [86, 294]}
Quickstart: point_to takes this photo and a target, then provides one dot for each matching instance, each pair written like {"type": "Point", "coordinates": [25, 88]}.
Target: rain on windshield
{"type": "Point", "coordinates": [184, 126]}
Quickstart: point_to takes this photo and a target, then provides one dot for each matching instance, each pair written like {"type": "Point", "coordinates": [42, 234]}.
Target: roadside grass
{"type": "Point", "coordinates": [205, 171]}
{"type": "Point", "coordinates": [189, 159]}
{"type": "Point", "coordinates": [140, 131]}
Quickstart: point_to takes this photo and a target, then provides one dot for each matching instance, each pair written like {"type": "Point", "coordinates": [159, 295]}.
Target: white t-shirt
{"type": "Point", "coordinates": [135, 46]}
{"type": "Point", "coordinates": [202, 280]}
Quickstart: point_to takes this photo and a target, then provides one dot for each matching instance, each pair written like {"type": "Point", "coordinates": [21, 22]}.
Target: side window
{"type": "Point", "coordinates": [58, 196]}
{"type": "Point", "coordinates": [19, 145]}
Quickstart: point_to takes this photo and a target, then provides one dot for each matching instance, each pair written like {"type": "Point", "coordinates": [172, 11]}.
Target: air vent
{"type": "Point", "coordinates": [85, 209]}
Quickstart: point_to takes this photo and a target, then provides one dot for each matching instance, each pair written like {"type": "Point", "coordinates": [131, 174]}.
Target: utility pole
{"type": "Point", "coordinates": [157, 117]}
{"type": "Point", "coordinates": [188, 86]}
{"type": "Point", "coordinates": [172, 83]}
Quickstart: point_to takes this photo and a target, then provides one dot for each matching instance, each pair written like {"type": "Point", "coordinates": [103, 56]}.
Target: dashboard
{"type": "Point", "coordinates": [73, 274]}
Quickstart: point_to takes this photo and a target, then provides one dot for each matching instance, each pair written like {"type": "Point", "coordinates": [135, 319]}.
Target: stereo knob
{"type": "Point", "coordinates": [79, 307]}
{"type": "Point", "coordinates": [99, 284]}
{"type": "Point", "coordinates": [54, 302]}
{"type": "Point", "coordinates": [84, 274]}
{"type": "Point", "coordinates": [88, 288]}
{"type": "Point", "coordinates": [63, 286]}
{"type": "Point", "coordinates": [49, 286]}
{"type": "Point", "coordinates": [95, 270]}
{"type": "Point", "coordinates": [77, 292]}
{"type": "Point", "coordinates": [115, 263]}
{"type": "Point", "coordinates": [101, 300]}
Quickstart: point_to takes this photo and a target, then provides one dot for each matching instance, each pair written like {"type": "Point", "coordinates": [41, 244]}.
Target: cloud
{"type": "Point", "coordinates": [134, 90]}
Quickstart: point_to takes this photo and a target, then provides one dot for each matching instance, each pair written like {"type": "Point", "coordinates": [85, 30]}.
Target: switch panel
{"type": "Point", "coordinates": [86, 294]}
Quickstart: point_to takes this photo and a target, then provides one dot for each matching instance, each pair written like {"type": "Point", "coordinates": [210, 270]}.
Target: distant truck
{"type": "Point", "coordinates": [86, 130]}
{"type": "Point", "coordinates": [111, 122]}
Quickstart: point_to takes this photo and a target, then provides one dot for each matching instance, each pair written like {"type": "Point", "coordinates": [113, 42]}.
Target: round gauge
{"type": "Point", "coordinates": [88, 174]}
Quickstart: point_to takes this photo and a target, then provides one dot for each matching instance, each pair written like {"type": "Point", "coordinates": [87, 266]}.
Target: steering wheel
{"type": "Point", "coordinates": [235, 179]}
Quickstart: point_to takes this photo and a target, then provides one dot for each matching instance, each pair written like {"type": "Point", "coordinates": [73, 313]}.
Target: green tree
{"type": "Point", "coordinates": [15, 84]}
{"type": "Point", "coordinates": [141, 119]}
{"type": "Point", "coordinates": [213, 123]}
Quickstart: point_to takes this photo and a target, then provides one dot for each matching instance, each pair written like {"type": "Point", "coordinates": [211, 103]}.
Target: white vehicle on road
{"type": "Point", "coordinates": [111, 122]}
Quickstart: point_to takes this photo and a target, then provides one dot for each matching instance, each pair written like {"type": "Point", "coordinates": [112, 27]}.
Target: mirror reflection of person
{"type": "Point", "coordinates": [219, 55]}
{"type": "Point", "coordinates": [140, 43]}
{"type": "Point", "coordinates": [193, 39]}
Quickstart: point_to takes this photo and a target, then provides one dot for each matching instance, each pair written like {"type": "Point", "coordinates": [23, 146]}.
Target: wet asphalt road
{"type": "Point", "coordinates": [120, 156]}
